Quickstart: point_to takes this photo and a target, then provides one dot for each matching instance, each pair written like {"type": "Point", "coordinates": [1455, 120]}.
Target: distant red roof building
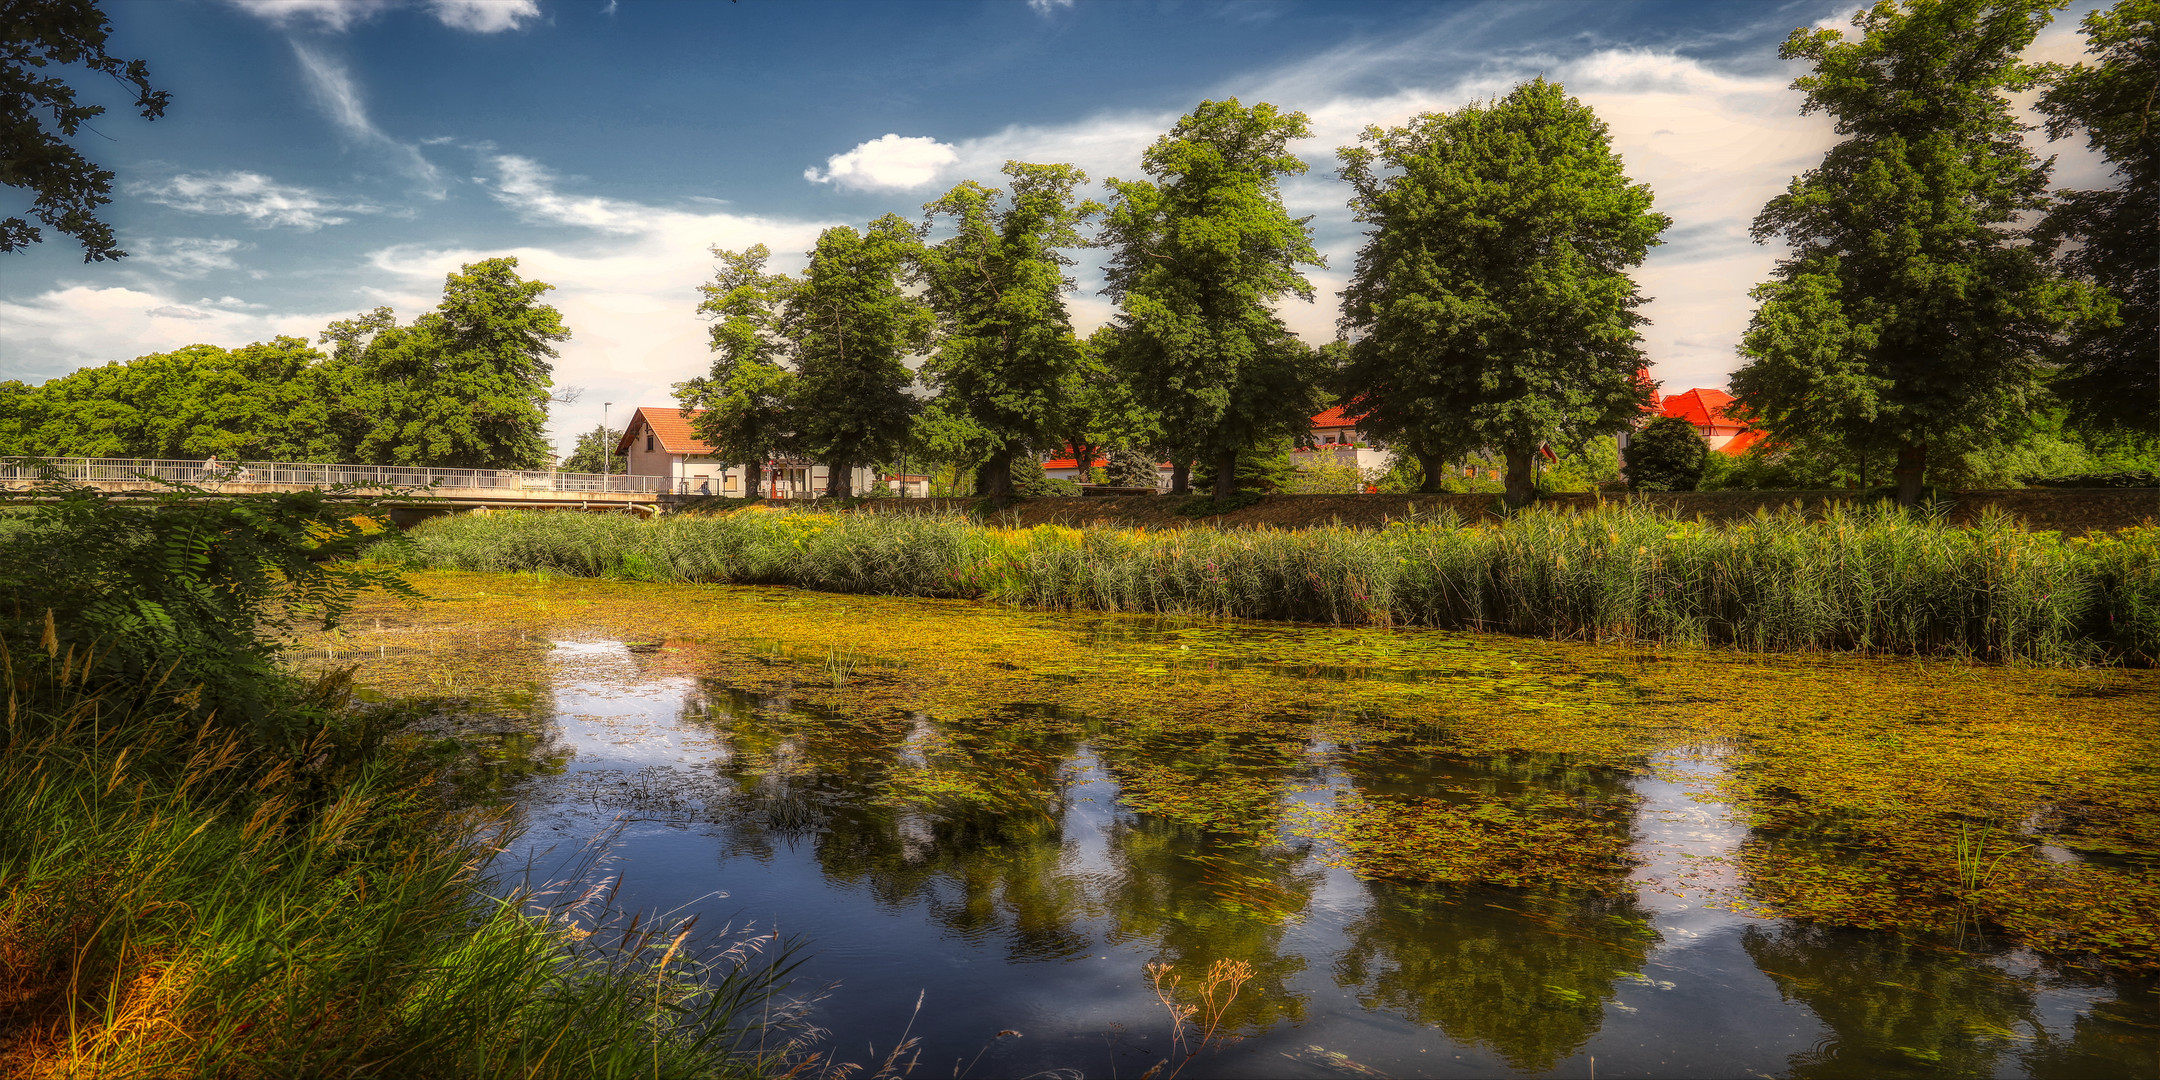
{"type": "Point", "coordinates": [1706, 409]}
{"type": "Point", "coordinates": [670, 429]}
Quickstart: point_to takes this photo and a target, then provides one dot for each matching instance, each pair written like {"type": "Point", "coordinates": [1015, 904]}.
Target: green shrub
{"type": "Point", "coordinates": [1666, 455]}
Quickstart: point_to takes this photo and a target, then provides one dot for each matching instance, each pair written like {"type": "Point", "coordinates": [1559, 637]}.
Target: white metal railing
{"type": "Point", "coordinates": [22, 471]}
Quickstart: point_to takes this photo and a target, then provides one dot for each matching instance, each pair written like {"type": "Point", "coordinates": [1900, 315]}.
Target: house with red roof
{"type": "Point", "coordinates": [1334, 437]}
{"type": "Point", "coordinates": [1706, 409]}
{"type": "Point", "coordinates": [660, 442]}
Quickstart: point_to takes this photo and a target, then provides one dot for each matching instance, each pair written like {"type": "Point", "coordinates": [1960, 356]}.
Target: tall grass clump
{"type": "Point", "coordinates": [191, 891]}
{"type": "Point", "coordinates": [1868, 579]}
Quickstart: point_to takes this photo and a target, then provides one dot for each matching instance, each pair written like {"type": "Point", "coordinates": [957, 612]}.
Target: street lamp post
{"type": "Point", "coordinates": [607, 453]}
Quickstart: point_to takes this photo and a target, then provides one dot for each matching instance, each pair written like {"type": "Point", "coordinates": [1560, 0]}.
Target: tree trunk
{"type": "Point", "coordinates": [840, 481]}
{"type": "Point", "coordinates": [1181, 477]}
{"type": "Point", "coordinates": [1225, 475]}
{"type": "Point", "coordinates": [1084, 455]}
{"type": "Point", "coordinates": [993, 478]}
{"type": "Point", "coordinates": [1435, 472]}
{"type": "Point", "coordinates": [1911, 472]}
{"type": "Point", "coordinates": [1521, 484]}
{"type": "Point", "coordinates": [753, 479]}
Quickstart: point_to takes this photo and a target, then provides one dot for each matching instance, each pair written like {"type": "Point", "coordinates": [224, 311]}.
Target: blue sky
{"type": "Point", "coordinates": [323, 157]}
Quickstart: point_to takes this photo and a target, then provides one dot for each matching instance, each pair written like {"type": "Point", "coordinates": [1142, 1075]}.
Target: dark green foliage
{"type": "Point", "coordinates": [66, 188]}
{"type": "Point", "coordinates": [465, 386]}
{"type": "Point", "coordinates": [1666, 455]}
{"type": "Point", "coordinates": [743, 403]}
{"type": "Point", "coordinates": [2110, 374]}
{"type": "Point", "coordinates": [1131, 466]}
{"type": "Point", "coordinates": [595, 452]}
{"type": "Point", "coordinates": [1493, 305]}
{"type": "Point", "coordinates": [1910, 312]}
{"type": "Point", "coordinates": [1006, 355]}
{"type": "Point", "coordinates": [854, 328]}
{"type": "Point", "coordinates": [1264, 469]}
{"type": "Point", "coordinates": [1198, 256]}
{"type": "Point", "coordinates": [1030, 481]}
{"type": "Point", "coordinates": [187, 589]}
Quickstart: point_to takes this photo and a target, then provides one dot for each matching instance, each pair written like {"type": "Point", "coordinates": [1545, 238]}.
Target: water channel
{"type": "Point", "coordinates": [1011, 868]}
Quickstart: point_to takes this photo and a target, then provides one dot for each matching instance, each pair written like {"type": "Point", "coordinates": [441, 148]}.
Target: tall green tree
{"type": "Point", "coordinates": [66, 188]}
{"type": "Point", "coordinates": [1493, 304]}
{"type": "Point", "coordinates": [855, 328]}
{"type": "Point", "coordinates": [1200, 253]}
{"type": "Point", "coordinates": [263, 401]}
{"type": "Point", "coordinates": [744, 401]}
{"type": "Point", "coordinates": [594, 452]}
{"type": "Point", "coordinates": [464, 386]}
{"type": "Point", "coordinates": [1006, 352]}
{"type": "Point", "coordinates": [1909, 311]}
{"type": "Point", "coordinates": [2111, 371]}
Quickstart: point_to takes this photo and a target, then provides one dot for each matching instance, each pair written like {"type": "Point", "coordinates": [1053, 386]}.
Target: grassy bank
{"type": "Point", "coordinates": [208, 868]}
{"type": "Point", "coordinates": [1869, 579]}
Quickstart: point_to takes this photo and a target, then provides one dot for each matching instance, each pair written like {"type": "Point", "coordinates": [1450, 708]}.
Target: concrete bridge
{"type": "Point", "coordinates": [451, 489]}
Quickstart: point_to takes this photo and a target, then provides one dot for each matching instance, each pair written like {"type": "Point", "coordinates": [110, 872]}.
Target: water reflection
{"type": "Point", "coordinates": [1002, 863]}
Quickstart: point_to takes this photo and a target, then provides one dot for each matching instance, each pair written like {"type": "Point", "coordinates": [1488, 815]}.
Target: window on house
{"type": "Point", "coordinates": [648, 442]}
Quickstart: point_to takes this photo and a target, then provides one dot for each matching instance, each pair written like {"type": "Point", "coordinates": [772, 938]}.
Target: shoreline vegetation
{"type": "Point", "coordinates": [210, 866]}
{"type": "Point", "coordinates": [1863, 579]}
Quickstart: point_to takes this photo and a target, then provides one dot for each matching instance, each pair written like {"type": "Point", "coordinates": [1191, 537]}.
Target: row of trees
{"type": "Point", "coordinates": [1197, 366]}
{"type": "Point", "coordinates": [465, 385]}
{"type": "Point", "coordinates": [1493, 308]}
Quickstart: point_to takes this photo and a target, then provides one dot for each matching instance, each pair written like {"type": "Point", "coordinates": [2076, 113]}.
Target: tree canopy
{"type": "Point", "coordinates": [1199, 254]}
{"type": "Point", "coordinates": [1493, 305]}
{"type": "Point", "coordinates": [66, 188]}
{"type": "Point", "coordinates": [855, 329]}
{"type": "Point", "coordinates": [1909, 311]}
{"type": "Point", "coordinates": [1006, 354]}
{"type": "Point", "coordinates": [2111, 370]}
{"type": "Point", "coordinates": [745, 398]}
{"type": "Point", "coordinates": [464, 386]}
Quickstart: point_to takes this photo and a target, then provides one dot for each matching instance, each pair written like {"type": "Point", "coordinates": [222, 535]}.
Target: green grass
{"type": "Point", "coordinates": [1869, 579]}
{"type": "Point", "coordinates": [175, 902]}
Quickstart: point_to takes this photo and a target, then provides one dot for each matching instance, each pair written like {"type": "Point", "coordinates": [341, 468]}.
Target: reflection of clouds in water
{"type": "Point", "coordinates": [611, 718]}
{"type": "Point", "coordinates": [1686, 841]}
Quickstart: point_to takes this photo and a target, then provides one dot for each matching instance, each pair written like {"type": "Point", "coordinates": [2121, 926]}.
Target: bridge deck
{"type": "Point", "coordinates": [455, 487]}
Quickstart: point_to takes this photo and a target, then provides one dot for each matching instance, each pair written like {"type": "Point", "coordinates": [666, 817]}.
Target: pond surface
{"type": "Point", "coordinates": [1435, 878]}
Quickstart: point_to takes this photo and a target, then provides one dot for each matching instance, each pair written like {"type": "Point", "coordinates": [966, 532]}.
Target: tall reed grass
{"type": "Point", "coordinates": [176, 902]}
{"type": "Point", "coordinates": [1873, 580]}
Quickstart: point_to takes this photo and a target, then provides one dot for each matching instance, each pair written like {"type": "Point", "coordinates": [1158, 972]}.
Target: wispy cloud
{"type": "Point", "coordinates": [185, 256]}
{"type": "Point", "coordinates": [887, 163]}
{"type": "Point", "coordinates": [1045, 7]}
{"type": "Point", "coordinates": [340, 98]}
{"type": "Point", "coordinates": [264, 202]}
{"type": "Point", "coordinates": [76, 325]}
{"type": "Point", "coordinates": [336, 16]}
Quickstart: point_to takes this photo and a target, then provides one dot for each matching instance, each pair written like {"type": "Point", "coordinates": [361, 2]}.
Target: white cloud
{"type": "Point", "coordinates": [262, 201]}
{"type": "Point", "coordinates": [485, 16]}
{"type": "Point", "coordinates": [340, 97]}
{"type": "Point", "coordinates": [1045, 7]}
{"type": "Point", "coordinates": [186, 256]}
{"type": "Point", "coordinates": [336, 16]}
{"type": "Point", "coordinates": [888, 163]}
{"type": "Point", "coordinates": [332, 15]}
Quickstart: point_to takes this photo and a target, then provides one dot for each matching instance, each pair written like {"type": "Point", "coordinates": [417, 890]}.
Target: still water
{"type": "Point", "coordinates": [1030, 899]}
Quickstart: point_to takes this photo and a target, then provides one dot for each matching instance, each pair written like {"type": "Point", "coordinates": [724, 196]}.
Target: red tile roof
{"type": "Point", "coordinates": [1067, 461]}
{"type": "Point", "coordinates": [671, 426]}
{"type": "Point", "coordinates": [1336, 418]}
{"type": "Point", "coordinates": [1706, 409]}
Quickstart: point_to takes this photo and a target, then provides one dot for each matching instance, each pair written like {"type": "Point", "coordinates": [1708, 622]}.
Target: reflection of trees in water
{"type": "Point", "coordinates": [966, 819]}
{"type": "Point", "coordinates": [1894, 1008]}
{"type": "Point", "coordinates": [1526, 974]}
{"type": "Point", "coordinates": [1528, 982]}
{"type": "Point", "coordinates": [1201, 901]}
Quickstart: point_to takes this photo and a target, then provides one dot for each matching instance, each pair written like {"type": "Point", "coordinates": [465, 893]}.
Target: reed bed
{"type": "Point", "coordinates": [1868, 579]}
